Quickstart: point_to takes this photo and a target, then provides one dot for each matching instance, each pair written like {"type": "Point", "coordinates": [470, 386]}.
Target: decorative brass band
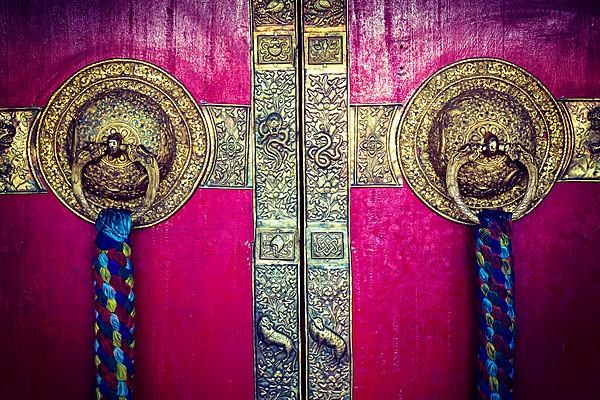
{"type": "Point", "coordinates": [17, 173]}
{"type": "Point", "coordinates": [276, 267]}
{"type": "Point", "coordinates": [327, 183]}
{"type": "Point", "coordinates": [109, 123]}
{"type": "Point", "coordinates": [489, 103]}
{"type": "Point", "coordinates": [372, 145]}
{"type": "Point", "coordinates": [371, 142]}
{"type": "Point", "coordinates": [584, 115]}
{"type": "Point", "coordinates": [231, 127]}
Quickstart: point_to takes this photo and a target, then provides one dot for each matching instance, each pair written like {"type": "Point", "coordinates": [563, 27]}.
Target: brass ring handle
{"type": "Point", "coordinates": [135, 154]}
{"type": "Point", "coordinates": [472, 152]}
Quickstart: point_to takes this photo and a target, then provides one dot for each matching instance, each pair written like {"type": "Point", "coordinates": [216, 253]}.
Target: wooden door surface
{"type": "Point", "coordinates": [315, 272]}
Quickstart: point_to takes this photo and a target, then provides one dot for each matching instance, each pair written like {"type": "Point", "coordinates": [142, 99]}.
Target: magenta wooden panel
{"type": "Point", "coordinates": [193, 272]}
{"type": "Point", "coordinates": [413, 271]}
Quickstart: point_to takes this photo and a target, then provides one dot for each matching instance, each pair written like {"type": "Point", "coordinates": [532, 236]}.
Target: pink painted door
{"type": "Point", "coordinates": [413, 282]}
{"type": "Point", "coordinates": [193, 272]}
{"type": "Point", "coordinates": [413, 275]}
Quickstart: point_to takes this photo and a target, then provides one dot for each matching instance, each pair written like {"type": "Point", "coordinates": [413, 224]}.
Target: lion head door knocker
{"type": "Point", "coordinates": [482, 142]}
{"type": "Point", "coordinates": [124, 144]}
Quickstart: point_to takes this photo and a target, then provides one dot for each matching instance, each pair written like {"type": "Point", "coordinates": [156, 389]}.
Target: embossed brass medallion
{"type": "Point", "coordinates": [124, 134]}
{"type": "Point", "coordinates": [493, 129]}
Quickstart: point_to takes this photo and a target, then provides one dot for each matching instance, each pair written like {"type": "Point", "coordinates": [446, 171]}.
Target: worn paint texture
{"type": "Point", "coordinates": [413, 282]}
{"type": "Point", "coordinates": [193, 272]}
{"type": "Point", "coordinates": [413, 272]}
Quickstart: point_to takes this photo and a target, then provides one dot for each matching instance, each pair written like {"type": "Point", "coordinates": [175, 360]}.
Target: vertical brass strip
{"type": "Point", "coordinates": [326, 195]}
{"type": "Point", "coordinates": [276, 267]}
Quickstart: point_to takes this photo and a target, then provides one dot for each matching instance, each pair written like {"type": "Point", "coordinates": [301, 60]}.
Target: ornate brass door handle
{"type": "Point", "coordinates": [470, 153]}
{"type": "Point", "coordinates": [136, 154]}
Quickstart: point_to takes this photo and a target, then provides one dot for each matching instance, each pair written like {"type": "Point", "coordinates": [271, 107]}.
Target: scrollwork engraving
{"type": "Point", "coordinates": [275, 49]}
{"type": "Point", "coordinates": [328, 292]}
{"type": "Point", "coordinates": [275, 111]}
{"type": "Point", "coordinates": [16, 173]}
{"type": "Point", "coordinates": [585, 120]}
{"type": "Point", "coordinates": [372, 159]}
{"type": "Point", "coordinates": [231, 161]}
{"type": "Point", "coordinates": [326, 142]}
{"type": "Point", "coordinates": [276, 344]}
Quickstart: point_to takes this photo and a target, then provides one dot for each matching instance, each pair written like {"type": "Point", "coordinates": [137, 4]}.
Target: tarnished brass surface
{"type": "Point", "coordinates": [273, 13]}
{"type": "Point", "coordinates": [472, 153]}
{"type": "Point", "coordinates": [17, 175]}
{"type": "Point", "coordinates": [123, 134]}
{"type": "Point", "coordinates": [231, 126]}
{"type": "Point", "coordinates": [276, 267]}
{"type": "Point", "coordinates": [373, 128]}
{"type": "Point", "coordinates": [327, 180]}
{"type": "Point", "coordinates": [324, 13]}
{"type": "Point", "coordinates": [584, 115]}
{"type": "Point", "coordinates": [476, 102]}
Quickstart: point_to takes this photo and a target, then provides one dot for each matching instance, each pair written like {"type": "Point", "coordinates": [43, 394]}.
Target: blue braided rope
{"type": "Point", "coordinates": [114, 305]}
{"type": "Point", "coordinates": [496, 306]}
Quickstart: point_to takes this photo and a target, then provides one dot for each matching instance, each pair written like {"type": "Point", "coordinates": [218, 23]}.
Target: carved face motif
{"type": "Point", "coordinates": [487, 118]}
{"type": "Point", "coordinates": [114, 145]}
{"type": "Point", "coordinates": [273, 123]}
{"type": "Point", "coordinates": [491, 145]}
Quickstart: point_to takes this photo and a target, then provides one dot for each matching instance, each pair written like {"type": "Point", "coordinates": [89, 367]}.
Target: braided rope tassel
{"type": "Point", "coordinates": [496, 306]}
{"type": "Point", "coordinates": [114, 304]}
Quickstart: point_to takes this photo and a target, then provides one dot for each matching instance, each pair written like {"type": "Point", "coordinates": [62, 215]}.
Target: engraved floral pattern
{"type": "Point", "coordinates": [326, 140]}
{"type": "Point", "coordinates": [231, 161]}
{"type": "Point", "coordinates": [276, 296]}
{"type": "Point", "coordinates": [16, 174]}
{"type": "Point", "coordinates": [275, 127]}
{"type": "Point", "coordinates": [372, 159]}
{"type": "Point", "coordinates": [585, 164]}
{"type": "Point", "coordinates": [328, 292]}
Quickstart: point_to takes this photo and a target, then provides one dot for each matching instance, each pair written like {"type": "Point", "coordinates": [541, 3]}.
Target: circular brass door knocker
{"type": "Point", "coordinates": [472, 153]}
{"type": "Point", "coordinates": [124, 134]}
{"type": "Point", "coordinates": [482, 134]}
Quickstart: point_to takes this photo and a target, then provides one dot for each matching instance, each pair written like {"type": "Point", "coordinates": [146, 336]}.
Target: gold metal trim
{"type": "Point", "coordinates": [327, 164]}
{"type": "Point", "coordinates": [276, 264]}
{"type": "Point", "coordinates": [231, 127]}
{"type": "Point", "coordinates": [17, 173]}
{"type": "Point", "coordinates": [584, 166]}
{"type": "Point", "coordinates": [373, 128]}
